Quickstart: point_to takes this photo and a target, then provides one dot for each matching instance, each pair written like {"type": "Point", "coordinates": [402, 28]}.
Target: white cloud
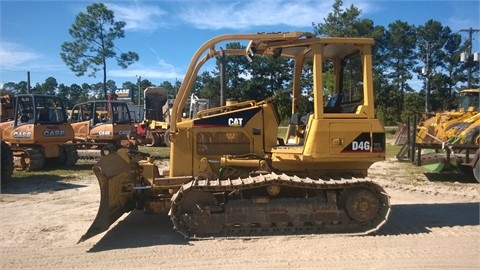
{"type": "Point", "coordinates": [232, 14]}
{"type": "Point", "coordinates": [241, 14]}
{"type": "Point", "coordinates": [14, 56]}
{"type": "Point", "coordinates": [163, 71]}
{"type": "Point", "coordinates": [462, 23]}
{"type": "Point", "coordinates": [146, 73]}
{"type": "Point", "coordinates": [138, 17]}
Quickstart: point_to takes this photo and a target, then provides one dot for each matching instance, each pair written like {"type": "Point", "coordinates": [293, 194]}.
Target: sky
{"type": "Point", "coordinates": [166, 33]}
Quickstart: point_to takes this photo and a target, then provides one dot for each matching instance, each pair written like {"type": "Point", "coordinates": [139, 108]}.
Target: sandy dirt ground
{"type": "Point", "coordinates": [434, 224]}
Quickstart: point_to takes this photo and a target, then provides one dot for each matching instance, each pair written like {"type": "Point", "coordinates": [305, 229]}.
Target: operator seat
{"type": "Point", "coordinates": [333, 105]}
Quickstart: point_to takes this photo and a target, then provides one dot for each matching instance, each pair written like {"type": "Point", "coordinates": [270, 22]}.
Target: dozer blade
{"type": "Point", "coordinates": [116, 180]}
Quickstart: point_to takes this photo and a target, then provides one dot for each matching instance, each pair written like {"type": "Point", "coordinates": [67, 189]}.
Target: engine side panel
{"type": "Point", "coordinates": [237, 132]}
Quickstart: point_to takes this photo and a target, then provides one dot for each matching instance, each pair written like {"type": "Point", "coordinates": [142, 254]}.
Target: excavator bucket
{"type": "Point", "coordinates": [115, 179]}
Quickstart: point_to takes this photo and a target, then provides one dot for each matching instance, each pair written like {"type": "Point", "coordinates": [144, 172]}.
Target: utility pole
{"type": "Point", "coordinates": [139, 78]}
{"type": "Point", "coordinates": [468, 56]}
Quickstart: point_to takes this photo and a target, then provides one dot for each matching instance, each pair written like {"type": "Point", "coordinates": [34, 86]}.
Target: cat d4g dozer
{"type": "Point", "coordinates": [39, 133]}
{"type": "Point", "coordinates": [229, 174]}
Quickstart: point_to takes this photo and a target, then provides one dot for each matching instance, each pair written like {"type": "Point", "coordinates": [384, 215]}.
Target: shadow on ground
{"type": "Point", "coordinates": [452, 176]}
{"type": "Point", "coordinates": [38, 183]}
{"type": "Point", "coordinates": [141, 230]}
{"type": "Point", "coordinates": [420, 218]}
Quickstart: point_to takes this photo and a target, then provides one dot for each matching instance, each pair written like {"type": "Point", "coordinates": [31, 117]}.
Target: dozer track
{"type": "Point", "coordinates": [94, 151]}
{"type": "Point", "coordinates": [246, 207]}
{"type": "Point", "coordinates": [28, 159]}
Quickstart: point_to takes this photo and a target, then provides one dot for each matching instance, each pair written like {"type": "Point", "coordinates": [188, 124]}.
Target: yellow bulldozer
{"type": "Point", "coordinates": [230, 174]}
{"type": "Point", "coordinates": [38, 133]}
{"type": "Point", "coordinates": [101, 127]}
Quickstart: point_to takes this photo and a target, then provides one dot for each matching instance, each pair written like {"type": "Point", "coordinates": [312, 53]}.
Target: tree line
{"type": "Point", "coordinates": [429, 53]}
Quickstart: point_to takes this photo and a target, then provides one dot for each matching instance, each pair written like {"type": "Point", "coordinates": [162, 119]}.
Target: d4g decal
{"type": "Point", "coordinates": [364, 144]}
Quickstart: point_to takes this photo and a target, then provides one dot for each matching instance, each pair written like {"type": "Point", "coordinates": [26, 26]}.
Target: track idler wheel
{"type": "Point", "coordinates": [193, 201]}
{"type": "Point", "coordinates": [362, 205]}
{"type": "Point", "coordinates": [194, 212]}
